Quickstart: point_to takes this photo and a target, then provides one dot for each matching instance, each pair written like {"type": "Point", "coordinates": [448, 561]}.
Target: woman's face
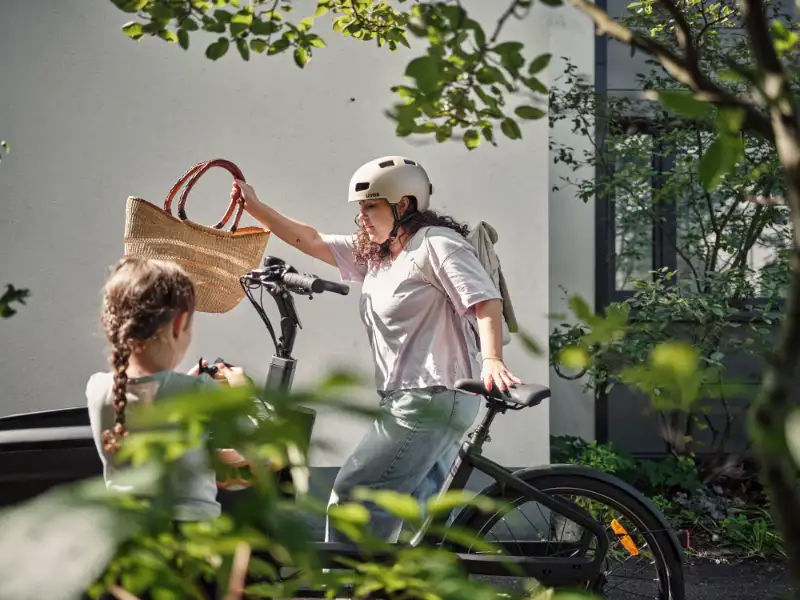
{"type": "Point", "coordinates": [377, 219]}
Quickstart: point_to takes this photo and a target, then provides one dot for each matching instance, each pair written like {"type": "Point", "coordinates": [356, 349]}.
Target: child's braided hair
{"type": "Point", "coordinates": [139, 298]}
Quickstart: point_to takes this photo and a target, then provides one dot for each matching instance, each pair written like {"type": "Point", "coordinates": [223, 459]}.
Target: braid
{"type": "Point", "coordinates": [140, 297]}
{"type": "Point", "coordinates": [112, 438]}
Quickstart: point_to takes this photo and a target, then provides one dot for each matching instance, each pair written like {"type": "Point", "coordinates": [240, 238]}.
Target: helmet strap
{"type": "Point", "coordinates": [398, 222]}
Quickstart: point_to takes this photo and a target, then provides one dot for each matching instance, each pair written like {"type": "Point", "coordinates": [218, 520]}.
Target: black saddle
{"type": "Point", "coordinates": [516, 397]}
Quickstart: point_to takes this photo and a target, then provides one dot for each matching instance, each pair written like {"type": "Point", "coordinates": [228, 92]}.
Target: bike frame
{"type": "Point", "coordinates": [553, 571]}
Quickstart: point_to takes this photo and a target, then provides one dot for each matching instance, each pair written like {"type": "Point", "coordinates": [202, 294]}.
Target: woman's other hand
{"type": "Point", "coordinates": [494, 372]}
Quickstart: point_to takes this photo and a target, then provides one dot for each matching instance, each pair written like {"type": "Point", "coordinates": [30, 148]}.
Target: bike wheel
{"type": "Point", "coordinates": [653, 546]}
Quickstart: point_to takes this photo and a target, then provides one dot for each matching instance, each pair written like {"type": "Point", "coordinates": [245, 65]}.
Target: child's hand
{"type": "Point", "coordinates": [195, 370]}
{"type": "Point", "coordinates": [233, 375]}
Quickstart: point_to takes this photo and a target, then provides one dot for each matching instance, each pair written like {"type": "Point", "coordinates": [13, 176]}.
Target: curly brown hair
{"type": "Point", "coordinates": [369, 253]}
{"type": "Point", "coordinates": [139, 298]}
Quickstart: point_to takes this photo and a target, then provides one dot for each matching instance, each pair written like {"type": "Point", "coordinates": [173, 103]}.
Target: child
{"type": "Point", "coordinates": [148, 307]}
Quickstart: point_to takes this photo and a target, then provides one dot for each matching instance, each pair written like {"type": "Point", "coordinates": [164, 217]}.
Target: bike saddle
{"type": "Point", "coordinates": [522, 394]}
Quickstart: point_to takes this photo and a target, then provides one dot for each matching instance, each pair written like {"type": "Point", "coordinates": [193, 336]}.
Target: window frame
{"type": "Point", "coordinates": [664, 236]}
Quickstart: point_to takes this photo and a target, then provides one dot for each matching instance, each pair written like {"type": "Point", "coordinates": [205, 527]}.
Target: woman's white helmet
{"type": "Point", "coordinates": [391, 178]}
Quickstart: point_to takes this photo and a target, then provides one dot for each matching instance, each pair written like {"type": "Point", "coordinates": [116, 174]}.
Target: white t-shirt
{"type": "Point", "coordinates": [418, 334]}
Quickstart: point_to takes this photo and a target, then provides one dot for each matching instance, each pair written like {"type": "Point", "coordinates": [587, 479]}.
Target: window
{"type": "Point", "coordinates": [654, 213]}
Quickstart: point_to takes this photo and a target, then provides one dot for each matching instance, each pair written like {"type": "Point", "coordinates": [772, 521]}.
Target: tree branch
{"type": "Point", "coordinates": [688, 74]}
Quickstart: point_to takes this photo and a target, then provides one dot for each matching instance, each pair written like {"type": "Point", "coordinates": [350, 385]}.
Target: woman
{"type": "Point", "coordinates": [420, 279]}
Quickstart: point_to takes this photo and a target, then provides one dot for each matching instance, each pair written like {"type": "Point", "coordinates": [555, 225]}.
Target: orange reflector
{"type": "Point", "coordinates": [624, 538]}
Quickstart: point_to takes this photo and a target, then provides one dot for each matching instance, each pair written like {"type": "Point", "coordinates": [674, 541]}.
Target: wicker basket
{"type": "Point", "coordinates": [214, 259]}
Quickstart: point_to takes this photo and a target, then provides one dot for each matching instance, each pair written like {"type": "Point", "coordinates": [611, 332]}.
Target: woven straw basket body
{"type": "Point", "coordinates": [213, 258]}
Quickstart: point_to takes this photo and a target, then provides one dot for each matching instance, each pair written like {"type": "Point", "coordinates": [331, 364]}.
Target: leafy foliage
{"type": "Point", "coordinates": [105, 541]}
{"type": "Point", "coordinates": [725, 518]}
{"type": "Point", "coordinates": [460, 84]}
{"type": "Point", "coordinates": [687, 173]}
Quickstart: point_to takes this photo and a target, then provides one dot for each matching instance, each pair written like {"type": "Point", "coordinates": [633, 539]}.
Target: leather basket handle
{"type": "Point", "coordinates": [191, 177]}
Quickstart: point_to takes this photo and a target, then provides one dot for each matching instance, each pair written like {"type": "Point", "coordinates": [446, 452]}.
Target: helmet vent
{"type": "Point", "coordinates": [386, 163]}
{"type": "Point", "coordinates": [364, 185]}
{"type": "Point", "coordinates": [409, 162]}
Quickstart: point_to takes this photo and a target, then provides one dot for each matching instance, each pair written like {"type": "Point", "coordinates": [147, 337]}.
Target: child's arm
{"type": "Point", "coordinates": [235, 377]}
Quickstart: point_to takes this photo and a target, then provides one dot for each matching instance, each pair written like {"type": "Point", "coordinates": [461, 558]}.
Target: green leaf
{"type": "Point", "coordinates": [189, 24]}
{"type": "Point", "coordinates": [574, 357]}
{"type": "Point", "coordinates": [535, 85]}
{"type": "Point", "coordinates": [213, 26]}
{"type": "Point", "coordinates": [580, 309]}
{"type": "Point", "coordinates": [401, 505]}
{"type": "Point", "coordinates": [133, 30]}
{"type": "Point", "coordinates": [677, 358]}
{"type": "Point", "coordinates": [260, 27]}
{"type": "Point", "coordinates": [243, 17]}
{"type": "Point", "coordinates": [349, 513]}
{"type": "Point", "coordinates": [439, 505]}
{"type": "Point", "coordinates": [161, 12]}
{"type": "Point", "coordinates": [488, 75]}
{"type": "Point", "coordinates": [683, 103]}
{"type": "Point", "coordinates": [183, 39]}
{"type": "Point", "coordinates": [301, 57]}
{"type": "Point", "coordinates": [529, 343]}
{"type": "Point", "coordinates": [217, 50]}
{"type": "Point", "coordinates": [168, 35]}
{"type": "Point", "coordinates": [508, 48]}
{"type": "Point", "coordinates": [529, 112]}
{"type": "Point", "coordinates": [315, 41]}
{"type": "Point", "coordinates": [322, 8]}
{"type": "Point", "coordinates": [223, 16]}
{"type": "Point", "coordinates": [719, 159]}
{"type": "Point", "coordinates": [258, 46]}
{"type": "Point", "coordinates": [539, 63]}
{"type": "Point", "coordinates": [729, 121]}
{"type": "Point", "coordinates": [510, 128]}
{"type": "Point", "coordinates": [488, 134]}
{"type": "Point", "coordinates": [243, 48]}
{"type": "Point", "coordinates": [510, 55]}
{"type": "Point", "coordinates": [305, 24]}
{"type": "Point", "coordinates": [11, 295]}
{"type": "Point", "coordinates": [279, 46]}
{"type": "Point", "coordinates": [472, 139]}
{"type": "Point", "coordinates": [130, 6]}
{"type": "Point", "coordinates": [711, 167]}
{"type": "Point", "coordinates": [426, 70]}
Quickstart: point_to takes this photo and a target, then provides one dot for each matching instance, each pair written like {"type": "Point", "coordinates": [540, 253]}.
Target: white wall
{"type": "Point", "coordinates": [93, 117]}
{"type": "Point", "coordinates": [572, 222]}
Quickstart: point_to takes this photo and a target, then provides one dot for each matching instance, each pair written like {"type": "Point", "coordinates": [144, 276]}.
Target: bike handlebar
{"type": "Point", "coordinates": [315, 284]}
{"type": "Point", "coordinates": [277, 271]}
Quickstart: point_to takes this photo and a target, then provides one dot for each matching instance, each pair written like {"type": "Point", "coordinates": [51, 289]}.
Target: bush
{"type": "Point", "coordinates": [89, 539]}
{"type": "Point", "coordinates": [720, 519]}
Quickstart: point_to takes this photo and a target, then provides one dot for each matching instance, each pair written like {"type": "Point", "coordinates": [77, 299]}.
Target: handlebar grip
{"type": "Point", "coordinates": [336, 288]}
{"type": "Point", "coordinates": [315, 284]}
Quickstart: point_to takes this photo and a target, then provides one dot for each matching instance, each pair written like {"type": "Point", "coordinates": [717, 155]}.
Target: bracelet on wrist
{"type": "Point", "coordinates": [485, 358]}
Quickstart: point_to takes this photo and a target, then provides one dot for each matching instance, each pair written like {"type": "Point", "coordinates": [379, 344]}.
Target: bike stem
{"type": "Point", "coordinates": [283, 365]}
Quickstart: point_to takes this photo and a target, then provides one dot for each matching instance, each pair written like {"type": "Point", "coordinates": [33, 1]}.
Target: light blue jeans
{"type": "Point", "coordinates": [409, 449]}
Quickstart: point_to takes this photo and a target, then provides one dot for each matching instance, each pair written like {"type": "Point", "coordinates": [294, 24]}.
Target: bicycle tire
{"type": "Point", "coordinates": [560, 479]}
